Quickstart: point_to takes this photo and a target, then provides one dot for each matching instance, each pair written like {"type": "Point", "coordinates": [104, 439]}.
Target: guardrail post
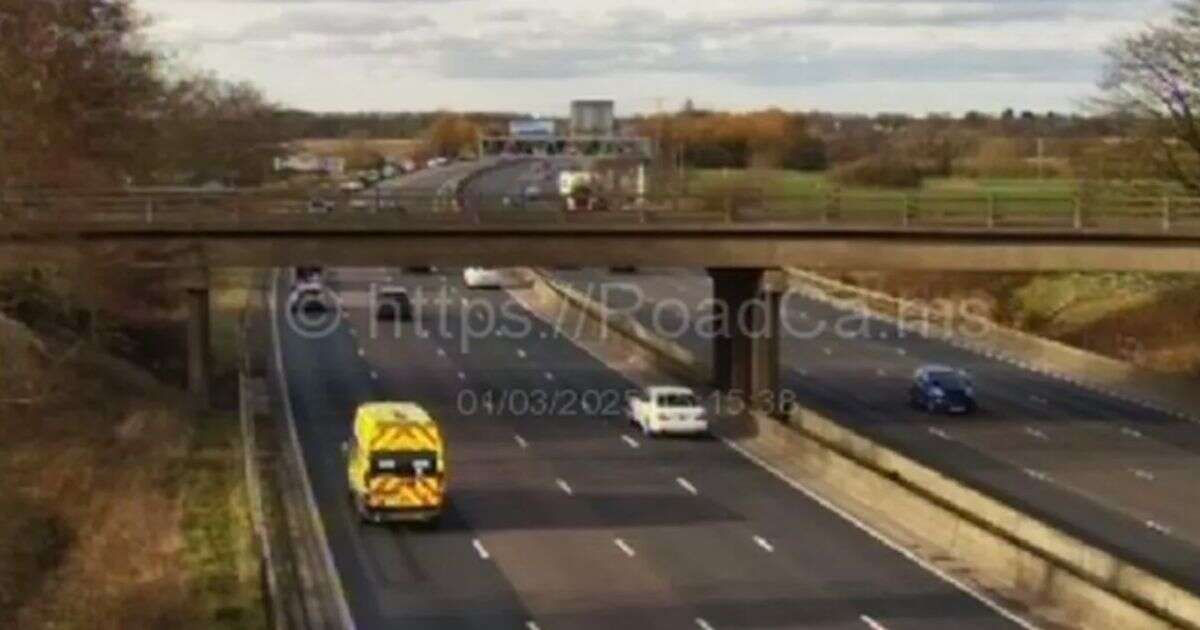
{"type": "Point", "coordinates": [907, 211]}
{"type": "Point", "coordinates": [1078, 220]}
{"type": "Point", "coordinates": [1166, 217]}
{"type": "Point", "coordinates": [730, 209]}
{"type": "Point", "coordinates": [991, 210]}
{"type": "Point", "coordinates": [150, 210]}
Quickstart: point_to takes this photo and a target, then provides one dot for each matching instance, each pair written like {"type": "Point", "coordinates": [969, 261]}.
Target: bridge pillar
{"type": "Point", "coordinates": [768, 332]}
{"type": "Point", "coordinates": [746, 346]}
{"type": "Point", "coordinates": [199, 353]}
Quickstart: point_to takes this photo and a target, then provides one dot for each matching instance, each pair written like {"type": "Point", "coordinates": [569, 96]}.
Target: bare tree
{"type": "Point", "coordinates": [77, 93]}
{"type": "Point", "coordinates": [1153, 77]}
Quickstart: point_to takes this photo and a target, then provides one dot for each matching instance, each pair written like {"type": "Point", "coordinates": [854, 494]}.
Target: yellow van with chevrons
{"type": "Point", "coordinates": [396, 464]}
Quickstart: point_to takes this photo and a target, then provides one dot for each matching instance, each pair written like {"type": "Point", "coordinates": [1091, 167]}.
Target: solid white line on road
{"type": "Point", "coordinates": [1133, 433]}
{"type": "Point", "coordinates": [566, 487]}
{"type": "Point", "coordinates": [481, 550]}
{"type": "Point", "coordinates": [703, 625]}
{"type": "Point", "coordinates": [521, 441]}
{"type": "Point", "coordinates": [941, 433]}
{"type": "Point", "coordinates": [687, 485]}
{"type": "Point", "coordinates": [871, 623]}
{"type": "Point", "coordinates": [1037, 474]}
{"type": "Point", "coordinates": [1159, 527]}
{"type": "Point", "coordinates": [762, 542]}
{"type": "Point", "coordinates": [1144, 475]}
{"type": "Point", "coordinates": [630, 441]}
{"type": "Point", "coordinates": [521, 353]}
{"type": "Point", "coordinates": [624, 547]}
{"type": "Point", "coordinates": [1037, 433]}
{"type": "Point", "coordinates": [874, 533]}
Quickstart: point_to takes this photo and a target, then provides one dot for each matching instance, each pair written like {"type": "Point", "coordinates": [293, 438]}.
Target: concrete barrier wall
{"type": "Point", "coordinates": [1086, 586]}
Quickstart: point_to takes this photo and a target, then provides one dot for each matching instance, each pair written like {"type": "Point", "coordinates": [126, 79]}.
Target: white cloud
{"type": "Point", "coordinates": [534, 55]}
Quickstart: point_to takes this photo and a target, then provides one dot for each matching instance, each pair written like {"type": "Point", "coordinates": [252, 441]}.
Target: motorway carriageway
{"type": "Point", "coordinates": [569, 518]}
{"type": "Point", "coordinates": [1114, 473]}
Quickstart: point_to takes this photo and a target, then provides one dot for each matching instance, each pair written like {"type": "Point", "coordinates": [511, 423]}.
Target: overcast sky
{"type": "Point", "coordinates": [536, 55]}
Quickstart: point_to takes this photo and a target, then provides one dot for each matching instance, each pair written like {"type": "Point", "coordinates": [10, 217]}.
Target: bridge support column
{"type": "Point", "coordinates": [746, 346]}
{"type": "Point", "coordinates": [199, 354]}
{"type": "Point", "coordinates": [767, 334]}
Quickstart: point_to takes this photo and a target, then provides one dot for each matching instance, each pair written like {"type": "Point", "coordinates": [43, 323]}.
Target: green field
{"type": "Point", "coordinates": [780, 183]}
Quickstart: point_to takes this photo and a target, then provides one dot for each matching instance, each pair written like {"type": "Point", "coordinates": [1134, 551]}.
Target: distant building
{"type": "Point", "coordinates": [311, 163]}
{"type": "Point", "coordinates": [593, 118]}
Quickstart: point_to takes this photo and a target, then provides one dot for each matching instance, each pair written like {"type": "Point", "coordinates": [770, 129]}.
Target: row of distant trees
{"type": "Point", "coordinates": [84, 101]}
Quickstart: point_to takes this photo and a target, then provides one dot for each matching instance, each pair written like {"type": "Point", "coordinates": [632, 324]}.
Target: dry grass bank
{"type": "Point", "coordinates": [1151, 320]}
{"type": "Point", "coordinates": [121, 506]}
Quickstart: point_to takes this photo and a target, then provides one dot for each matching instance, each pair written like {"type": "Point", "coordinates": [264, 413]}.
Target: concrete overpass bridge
{"type": "Point", "coordinates": [740, 243]}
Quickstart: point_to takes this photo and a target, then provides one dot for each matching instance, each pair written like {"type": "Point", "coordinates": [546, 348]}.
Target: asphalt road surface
{"type": "Point", "coordinates": [1116, 474]}
{"type": "Point", "coordinates": [560, 515]}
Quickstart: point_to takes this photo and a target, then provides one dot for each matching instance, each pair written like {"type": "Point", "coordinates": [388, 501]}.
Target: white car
{"type": "Point", "coordinates": [482, 278]}
{"type": "Point", "coordinates": [668, 410]}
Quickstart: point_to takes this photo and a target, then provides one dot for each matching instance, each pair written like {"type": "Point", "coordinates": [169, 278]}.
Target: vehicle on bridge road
{"type": "Point", "coordinates": [668, 410]}
{"type": "Point", "coordinates": [941, 389]}
{"type": "Point", "coordinates": [396, 464]}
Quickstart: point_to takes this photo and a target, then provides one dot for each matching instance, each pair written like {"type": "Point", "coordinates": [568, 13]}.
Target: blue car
{"type": "Point", "coordinates": [940, 389]}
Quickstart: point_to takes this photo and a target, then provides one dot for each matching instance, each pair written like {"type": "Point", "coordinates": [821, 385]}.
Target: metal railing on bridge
{"type": "Point", "coordinates": [68, 209]}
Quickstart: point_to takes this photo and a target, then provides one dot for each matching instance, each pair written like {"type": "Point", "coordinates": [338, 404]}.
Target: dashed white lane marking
{"type": "Point", "coordinates": [624, 547]}
{"type": "Point", "coordinates": [480, 549]}
{"type": "Point", "coordinates": [687, 485]}
{"type": "Point", "coordinates": [703, 625]}
{"type": "Point", "coordinates": [871, 623]}
{"type": "Point", "coordinates": [566, 487]}
{"type": "Point", "coordinates": [1144, 475]}
{"type": "Point", "coordinates": [1039, 400]}
{"type": "Point", "coordinates": [1133, 433]}
{"type": "Point", "coordinates": [1037, 433]}
{"type": "Point", "coordinates": [940, 433]}
{"type": "Point", "coordinates": [521, 441]}
{"type": "Point", "coordinates": [1159, 527]}
{"type": "Point", "coordinates": [521, 353]}
{"type": "Point", "coordinates": [1037, 474]}
{"type": "Point", "coordinates": [762, 542]}
{"type": "Point", "coordinates": [630, 441]}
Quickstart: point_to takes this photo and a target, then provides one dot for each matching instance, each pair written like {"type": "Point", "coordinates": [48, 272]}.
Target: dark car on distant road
{"type": "Point", "coordinates": [393, 304]}
{"type": "Point", "coordinates": [941, 389]}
